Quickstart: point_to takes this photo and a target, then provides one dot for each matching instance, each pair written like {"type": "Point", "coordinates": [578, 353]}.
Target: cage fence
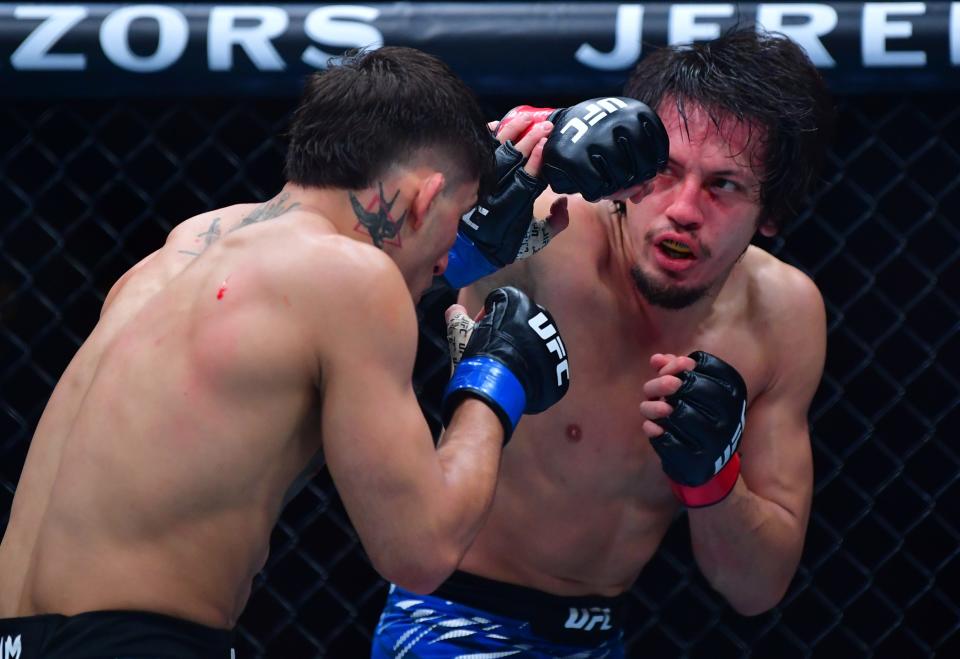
{"type": "Point", "coordinates": [90, 187]}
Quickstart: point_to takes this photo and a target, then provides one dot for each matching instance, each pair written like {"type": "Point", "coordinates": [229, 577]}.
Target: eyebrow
{"type": "Point", "coordinates": [744, 175]}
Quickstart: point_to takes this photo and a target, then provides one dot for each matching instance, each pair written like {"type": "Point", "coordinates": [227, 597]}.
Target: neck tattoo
{"type": "Point", "coordinates": [379, 223]}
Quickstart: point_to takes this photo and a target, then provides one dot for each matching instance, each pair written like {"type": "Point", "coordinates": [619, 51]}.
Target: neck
{"type": "Point", "coordinates": [372, 215]}
{"type": "Point", "coordinates": [677, 326]}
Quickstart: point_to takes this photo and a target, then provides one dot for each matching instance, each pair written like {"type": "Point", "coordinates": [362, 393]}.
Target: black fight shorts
{"type": "Point", "coordinates": [111, 635]}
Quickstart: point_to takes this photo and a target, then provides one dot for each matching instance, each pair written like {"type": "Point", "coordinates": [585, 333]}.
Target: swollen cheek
{"type": "Point", "coordinates": [654, 202]}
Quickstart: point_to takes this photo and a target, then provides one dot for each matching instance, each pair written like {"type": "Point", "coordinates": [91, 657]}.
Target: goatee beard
{"type": "Point", "coordinates": [666, 297]}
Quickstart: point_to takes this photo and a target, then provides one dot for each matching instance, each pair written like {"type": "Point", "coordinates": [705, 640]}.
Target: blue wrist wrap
{"type": "Point", "coordinates": [466, 263]}
{"type": "Point", "coordinates": [492, 382]}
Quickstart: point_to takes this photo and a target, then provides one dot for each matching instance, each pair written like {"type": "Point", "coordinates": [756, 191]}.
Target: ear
{"type": "Point", "coordinates": [426, 193]}
{"type": "Point", "coordinates": [767, 227]}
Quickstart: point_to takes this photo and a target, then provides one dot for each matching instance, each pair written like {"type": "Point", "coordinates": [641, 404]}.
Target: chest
{"type": "Point", "coordinates": [610, 343]}
{"type": "Point", "coordinates": [592, 443]}
{"type": "Point", "coordinates": [594, 439]}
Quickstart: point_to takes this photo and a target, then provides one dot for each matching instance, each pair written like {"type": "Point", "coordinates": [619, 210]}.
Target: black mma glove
{"type": "Point", "coordinates": [603, 146]}
{"type": "Point", "coordinates": [698, 448]}
{"type": "Point", "coordinates": [514, 360]}
{"type": "Point", "coordinates": [490, 236]}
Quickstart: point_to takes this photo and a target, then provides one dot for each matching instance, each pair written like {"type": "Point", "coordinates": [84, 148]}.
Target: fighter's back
{"type": "Point", "coordinates": [175, 431]}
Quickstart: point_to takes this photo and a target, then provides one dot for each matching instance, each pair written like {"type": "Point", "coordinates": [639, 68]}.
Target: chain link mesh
{"type": "Point", "coordinates": [88, 188]}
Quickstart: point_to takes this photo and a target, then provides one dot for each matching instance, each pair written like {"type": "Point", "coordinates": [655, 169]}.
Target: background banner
{"type": "Point", "coordinates": [525, 49]}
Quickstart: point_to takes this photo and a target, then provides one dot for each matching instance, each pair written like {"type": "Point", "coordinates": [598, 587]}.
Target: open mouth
{"type": "Point", "coordinates": [676, 249]}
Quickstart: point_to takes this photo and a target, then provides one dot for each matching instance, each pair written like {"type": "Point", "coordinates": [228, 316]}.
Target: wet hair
{"type": "Point", "coordinates": [373, 110]}
{"type": "Point", "coordinates": [764, 80]}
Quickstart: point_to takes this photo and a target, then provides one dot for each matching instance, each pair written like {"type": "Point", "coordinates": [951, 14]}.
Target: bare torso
{"type": "Point", "coordinates": [582, 502]}
{"type": "Point", "coordinates": [162, 460]}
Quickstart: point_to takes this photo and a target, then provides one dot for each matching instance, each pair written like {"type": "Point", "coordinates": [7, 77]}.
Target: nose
{"type": "Point", "coordinates": [441, 266]}
{"type": "Point", "coordinates": [684, 209]}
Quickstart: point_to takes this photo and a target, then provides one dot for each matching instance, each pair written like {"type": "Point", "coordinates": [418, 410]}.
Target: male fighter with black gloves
{"type": "Point", "coordinates": [258, 341]}
{"type": "Point", "coordinates": [589, 488]}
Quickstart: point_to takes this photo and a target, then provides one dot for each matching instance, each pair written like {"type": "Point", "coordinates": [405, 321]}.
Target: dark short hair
{"type": "Point", "coordinates": [375, 109]}
{"type": "Point", "coordinates": [761, 78]}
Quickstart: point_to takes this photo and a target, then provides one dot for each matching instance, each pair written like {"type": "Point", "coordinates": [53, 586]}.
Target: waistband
{"type": "Point", "coordinates": [577, 620]}
{"type": "Point", "coordinates": [98, 634]}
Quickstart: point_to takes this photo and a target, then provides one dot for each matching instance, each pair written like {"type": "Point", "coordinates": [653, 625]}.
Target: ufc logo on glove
{"type": "Point", "coordinates": [545, 330]}
{"type": "Point", "coordinates": [595, 111]}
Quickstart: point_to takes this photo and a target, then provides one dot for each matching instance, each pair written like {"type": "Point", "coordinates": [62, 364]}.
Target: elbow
{"type": "Point", "coordinates": [420, 569]}
{"type": "Point", "coordinates": [753, 607]}
{"type": "Point", "coordinates": [751, 604]}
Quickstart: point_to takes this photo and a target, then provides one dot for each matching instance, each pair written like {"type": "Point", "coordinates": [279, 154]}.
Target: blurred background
{"type": "Point", "coordinates": [118, 122]}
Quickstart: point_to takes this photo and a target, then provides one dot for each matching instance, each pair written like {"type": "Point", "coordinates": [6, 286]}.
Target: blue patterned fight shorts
{"type": "Point", "coordinates": [470, 617]}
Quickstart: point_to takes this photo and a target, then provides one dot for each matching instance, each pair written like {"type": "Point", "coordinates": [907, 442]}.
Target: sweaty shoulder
{"type": "Point", "coordinates": [195, 235]}
{"type": "Point", "coordinates": [786, 309]}
{"type": "Point", "coordinates": [357, 292]}
{"type": "Point", "coordinates": [359, 274]}
{"type": "Point", "coordinates": [779, 291]}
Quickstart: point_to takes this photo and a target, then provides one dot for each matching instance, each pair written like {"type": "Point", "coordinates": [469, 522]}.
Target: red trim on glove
{"type": "Point", "coordinates": [539, 114]}
{"type": "Point", "coordinates": [714, 490]}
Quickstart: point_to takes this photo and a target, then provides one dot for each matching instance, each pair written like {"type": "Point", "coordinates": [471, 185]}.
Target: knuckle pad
{"type": "Point", "coordinates": [531, 185]}
{"type": "Point", "coordinates": [508, 159]}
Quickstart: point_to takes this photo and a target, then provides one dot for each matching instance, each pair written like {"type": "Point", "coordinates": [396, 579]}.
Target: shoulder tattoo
{"type": "Point", "coordinates": [266, 211]}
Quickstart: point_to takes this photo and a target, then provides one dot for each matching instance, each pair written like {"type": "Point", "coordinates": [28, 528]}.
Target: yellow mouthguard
{"type": "Point", "coordinates": [675, 246]}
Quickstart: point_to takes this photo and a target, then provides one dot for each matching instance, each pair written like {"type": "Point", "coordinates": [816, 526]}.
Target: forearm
{"type": "Point", "coordinates": [469, 456]}
{"type": "Point", "coordinates": [516, 274]}
{"type": "Point", "coordinates": [507, 369]}
{"type": "Point", "coordinates": [418, 526]}
{"type": "Point", "coordinates": [748, 548]}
